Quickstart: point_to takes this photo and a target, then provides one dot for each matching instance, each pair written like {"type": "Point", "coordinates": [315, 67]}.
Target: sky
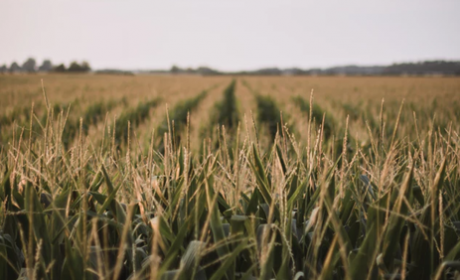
{"type": "Point", "coordinates": [229, 35]}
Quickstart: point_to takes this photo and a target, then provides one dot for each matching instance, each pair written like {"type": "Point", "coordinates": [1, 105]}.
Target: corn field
{"type": "Point", "coordinates": [241, 178]}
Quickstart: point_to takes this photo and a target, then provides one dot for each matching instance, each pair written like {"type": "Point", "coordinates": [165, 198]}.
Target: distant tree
{"type": "Point", "coordinates": [60, 68]}
{"type": "Point", "coordinates": [203, 70]}
{"type": "Point", "coordinates": [85, 66]}
{"type": "Point", "coordinates": [29, 65]}
{"type": "Point", "coordinates": [175, 69]}
{"type": "Point", "coordinates": [75, 67]}
{"type": "Point", "coordinates": [14, 67]}
{"type": "Point", "coordinates": [3, 68]}
{"type": "Point", "coordinates": [46, 66]}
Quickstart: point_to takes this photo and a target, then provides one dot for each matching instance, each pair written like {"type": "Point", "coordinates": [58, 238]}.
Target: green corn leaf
{"type": "Point", "coordinates": [229, 261]}
{"type": "Point", "coordinates": [362, 264]}
{"type": "Point", "coordinates": [3, 259]}
{"type": "Point", "coordinates": [176, 245]}
{"type": "Point", "coordinates": [396, 222]}
{"type": "Point", "coordinates": [267, 265]}
{"type": "Point", "coordinates": [421, 245]}
{"type": "Point", "coordinates": [40, 226]}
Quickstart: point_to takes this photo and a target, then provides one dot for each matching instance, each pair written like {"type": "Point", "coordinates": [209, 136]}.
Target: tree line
{"type": "Point", "coordinates": [31, 66]}
{"type": "Point", "coordinates": [422, 68]}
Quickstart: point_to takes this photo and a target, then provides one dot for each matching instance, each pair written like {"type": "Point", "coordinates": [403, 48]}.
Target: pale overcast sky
{"type": "Point", "coordinates": [229, 35]}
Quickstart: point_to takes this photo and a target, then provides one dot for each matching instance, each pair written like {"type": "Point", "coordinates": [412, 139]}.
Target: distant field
{"type": "Point", "coordinates": [188, 177]}
{"type": "Point", "coordinates": [435, 101]}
